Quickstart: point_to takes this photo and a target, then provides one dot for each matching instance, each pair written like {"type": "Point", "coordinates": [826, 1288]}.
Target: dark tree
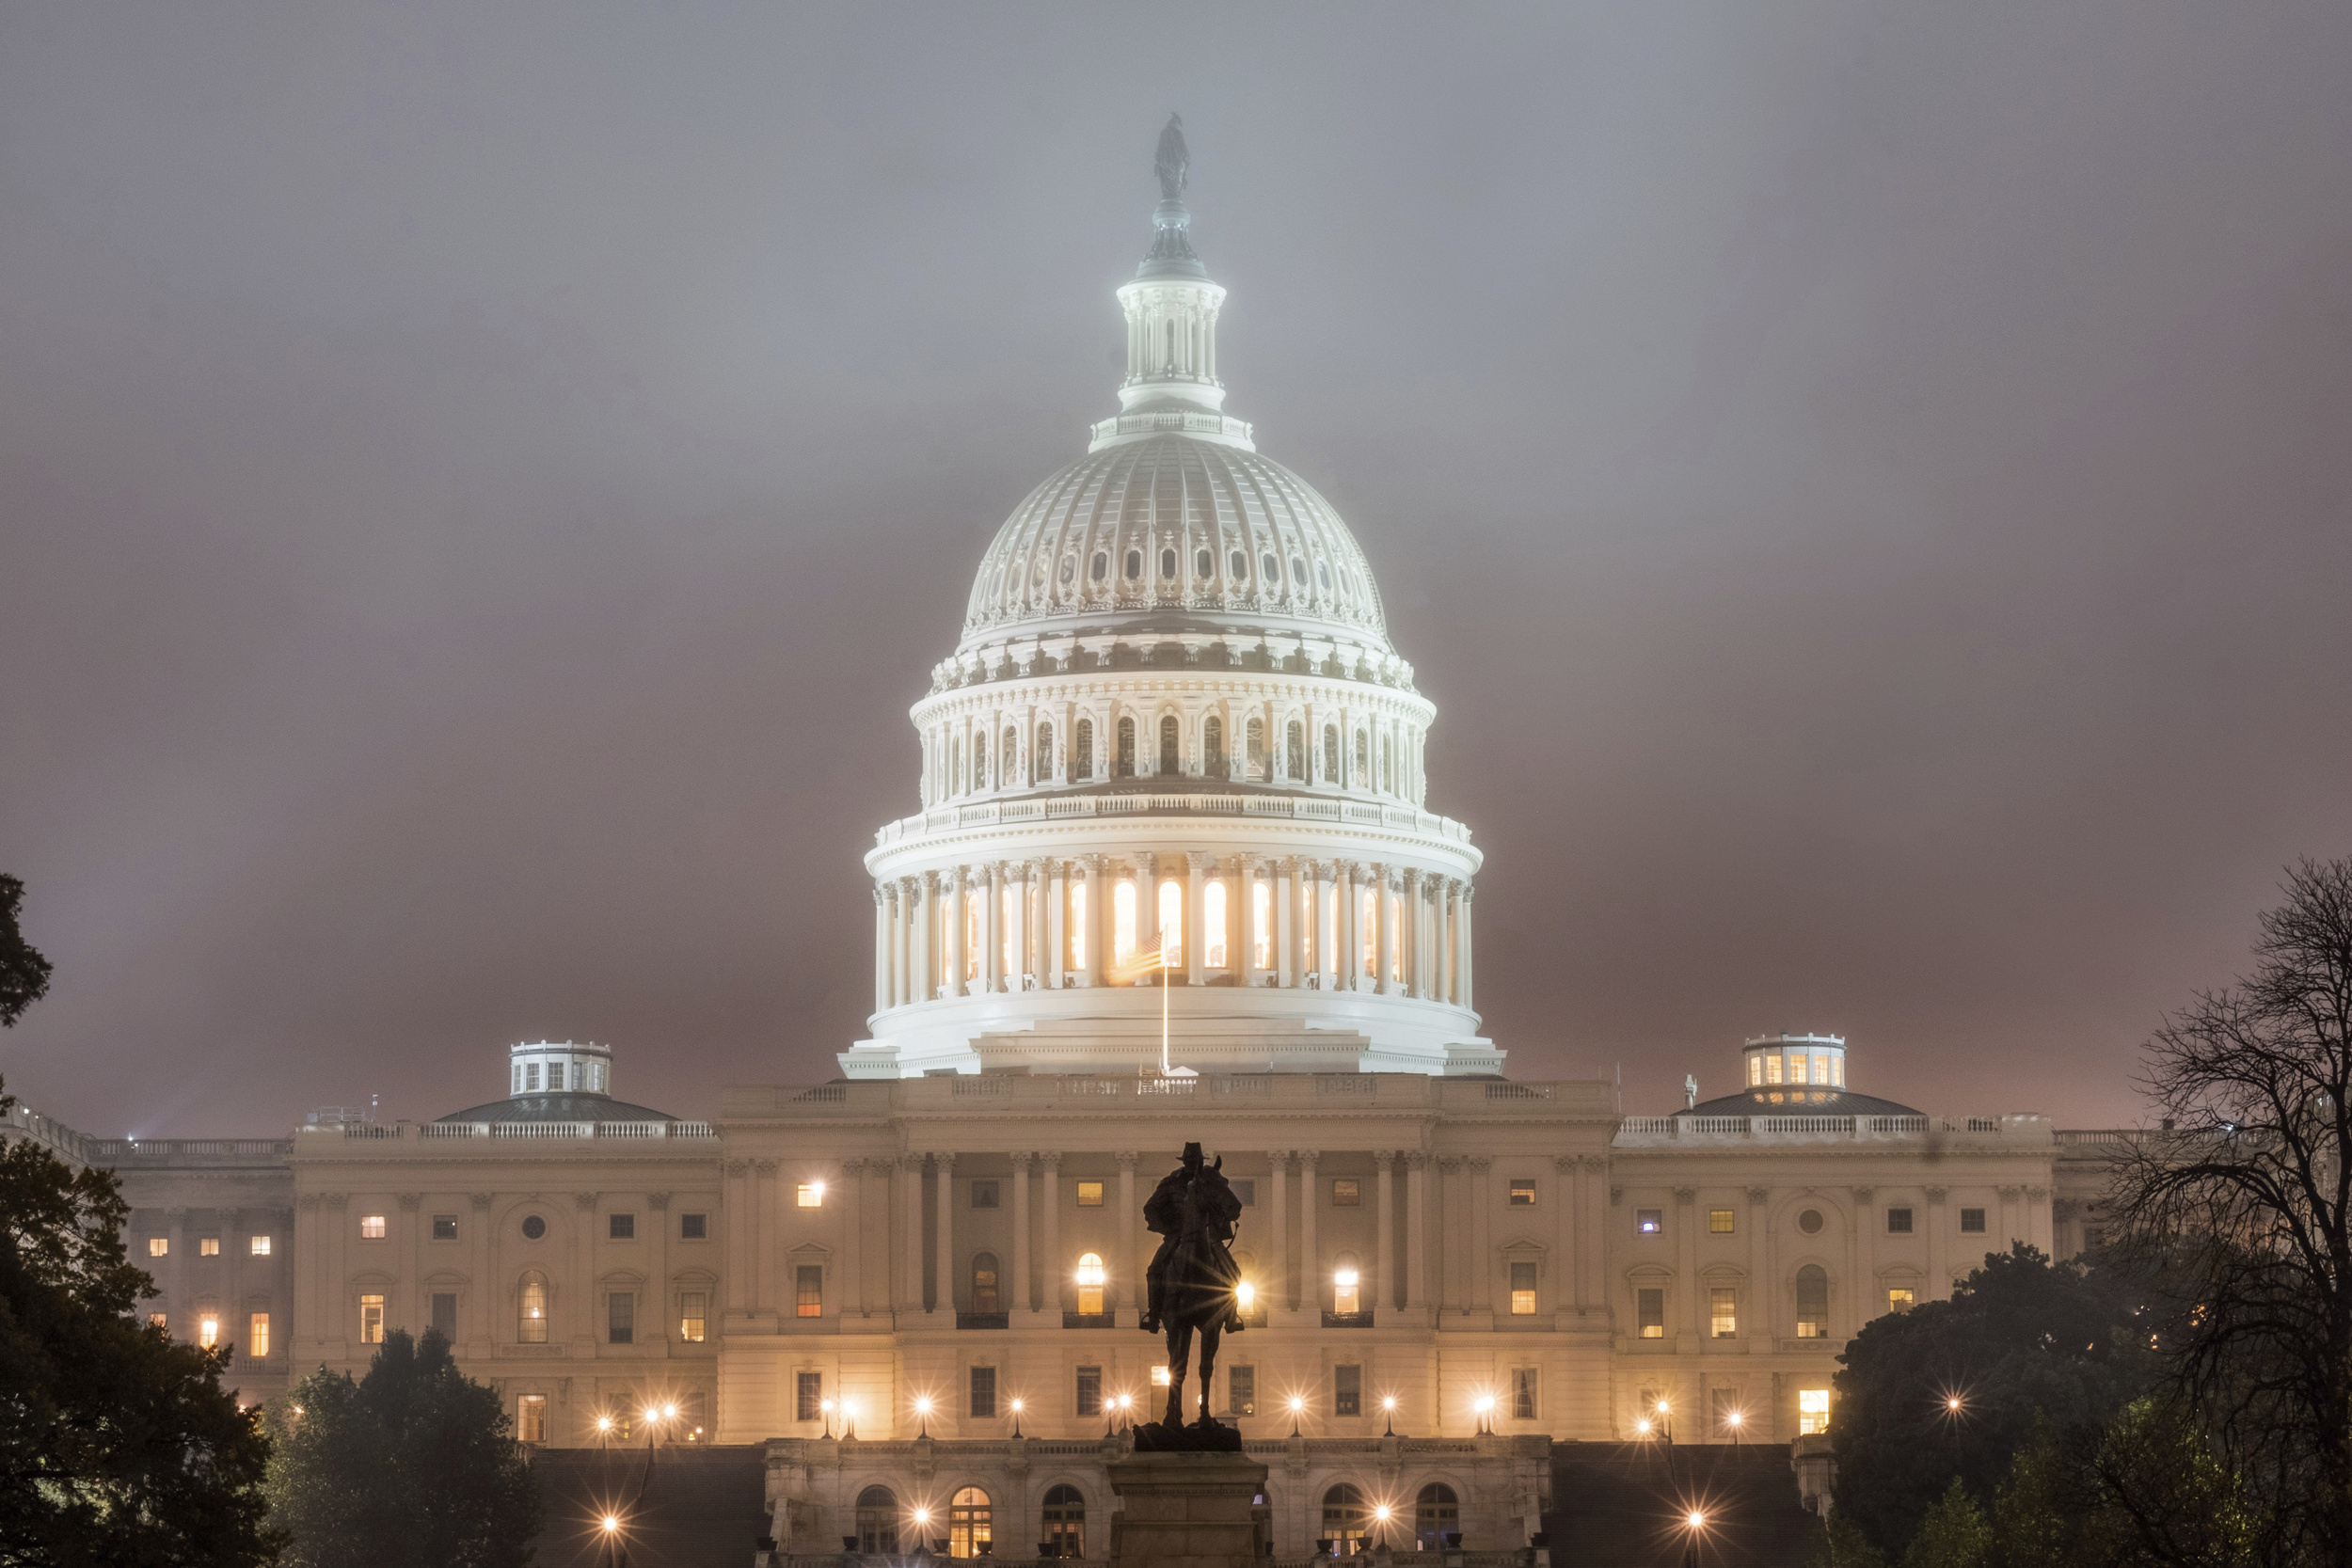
{"type": "Point", "coordinates": [2240, 1208]}
{"type": "Point", "coordinates": [412, 1463]}
{"type": "Point", "coordinates": [24, 972]}
{"type": "Point", "coordinates": [2021, 1339]}
{"type": "Point", "coordinates": [118, 1444]}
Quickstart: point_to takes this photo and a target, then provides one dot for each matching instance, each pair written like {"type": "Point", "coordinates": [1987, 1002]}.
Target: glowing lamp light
{"type": "Point", "coordinates": [1664, 1409]}
{"type": "Point", "coordinates": [1298, 1405]}
{"type": "Point", "coordinates": [651, 1413]}
{"type": "Point", "coordinates": [612, 1523]}
{"type": "Point", "coordinates": [1641, 1427]}
{"type": "Point", "coordinates": [818, 1188]}
{"type": "Point", "coordinates": [1345, 1279]}
{"type": "Point", "coordinates": [1388, 1402]}
{"type": "Point", "coordinates": [668, 1412]}
{"type": "Point", "coordinates": [1695, 1519]}
{"type": "Point", "coordinates": [922, 1516]}
{"type": "Point", "coordinates": [1381, 1513]}
{"type": "Point", "coordinates": [826, 1406]}
{"type": "Point", "coordinates": [604, 1423]}
{"type": "Point", "coordinates": [1126, 1402]}
{"type": "Point", "coordinates": [1952, 1403]}
{"type": "Point", "coordinates": [923, 1405]}
{"type": "Point", "coordinates": [1732, 1419]}
{"type": "Point", "coordinates": [1016, 1407]}
{"type": "Point", "coordinates": [1247, 1294]}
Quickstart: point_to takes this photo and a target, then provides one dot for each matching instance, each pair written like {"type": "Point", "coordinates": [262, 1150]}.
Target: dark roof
{"type": "Point", "coordinates": [1788, 1101]}
{"type": "Point", "coordinates": [559, 1107]}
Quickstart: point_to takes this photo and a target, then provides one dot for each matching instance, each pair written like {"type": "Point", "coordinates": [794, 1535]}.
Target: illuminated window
{"type": "Point", "coordinates": [1812, 1303]}
{"type": "Point", "coordinates": [1347, 1192]}
{"type": "Point", "coordinates": [984, 1294]}
{"type": "Point", "coordinates": [809, 1396]}
{"type": "Point", "coordinates": [159, 1246]}
{"type": "Point", "coordinates": [445, 1227]}
{"type": "Point", "coordinates": [1090, 1195]}
{"type": "Point", "coordinates": [1077, 923]}
{"type": "Point", "coordinates": [1811, 1411]}
{"type": "Point", "coordinates": [1648, 1222]}
{"type": "Point", "coordinates": [259, 1246]}
{"type": "Point", "coordinates": [1344, 1517]}
{"type": "Point", "coordinates": [1241, 1391]}
{"type": "Point", "coordinates": [1090, 1391]}
{"type": "Point", "coordinates": [372, 1227]}
{"type": "Point", "coordinates": [1837, 1071]}
{"type": "Point", "coordinates": [1262, 924]}
{"type": "Point", "coordinates": [693, 1315]}
{"type": "Point", "coordinates": [531, 1327]}
{"type": "Point", "coordinates": [1724, 1312]}
{"type": "Point", "coordinates": [531, 1418]}
{"type": "Point", "coordinates": [1820, 1069]}
{"type": "Point", "coordinates": [1347, 1294]}
{"type": "Point", "coordinates": [1522, 1289]}
{"type": "Point", "coordinates": [1124, 923]}
{"type": "Point", "coordinates": [1972, 1222]}
{"type": "Point", "coordinates": [1066, 1521]}
{"type": "Point", "coordinates": [620, 1318]}
{"type": "Point", "coordinates": [808, 1195]}
{"type": "Point", "coordinates": [208, 1330]}
{"type": "Point", "coordinates": [877, 1506]}
{"type": "Point", "coordinates": [1796, 1070]}
{"type": "Point", "coordinates": [1172, 919]}
{"type": "Point", "coordinates": [1755, 1069]}
{"type": "Point", "coordinates": [1367, 923]}
{"type": "Point", "coordinates": [1898, 1222]}
{"type": "Point", "coordinates": [1649, 1310]}
{"type": "Point", "coordinates": [983, 1393]}
{"type": "Point", "coordinates": [443, 1316]}
{"type": "Point", "coordinates": [971, 1524]}
{"type": "Point", "coordinates": [809, 1291]}
{"type": "Point", "coordinates": [1522, 1393]}
{"type": "Point", "coordinates": [1160, 1375]}
{"type": "Point", "coordinates": [1212, 924]}
{"type": "Point", "coordinates": [208, 1246]}
{"type": "Point", "coordinates": [621, 1227]}
{"type": "Point", "coordinates": [371, 1320]}
{"type": "Point", "coordinates": [1347, 1390]}
{"type": "Point", "coordinates": [1091, 1277]}
{"type": "Point", "coordinates": [1772, 1069]}
{"type": "Point", "coordinates": [1720, 1222]}
{"type": "Point", "coordinates": [256, 1335]}
{"type": "Point", "coordinates": [1899, 1298]}
{"type": "Point", "coordinates": [693, 1228]}
{"type": "Point", "coordinates": [1522, 1193]}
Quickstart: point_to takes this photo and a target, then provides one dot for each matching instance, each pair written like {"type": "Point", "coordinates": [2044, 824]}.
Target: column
{"type": "Point", "coordinates": [481, 1331]}
{"type": "Point", "coordinates": [1037, 955]}
{"type": "Point", "coordinates": [1277, 1284]}
{"type": "Point", "coordinates": [1569, 1247]}
{"type": "Point", "coordinates": [1449, 1297]}
{"type": "Point", "coordinates": [583, 1312]}
{"type": "Point", "coordinates": [1763, 1290]}
{"type": "Point", "coordinates": [1938, 1284]}
{"type": "Point", "coordinates": [882, 951]}
{"type": "Point", "coordinates": [1409, 932]}
{"type": "Point", "coordinates": [951, 892]}
{"type": "Point", "coordinates": [1482, 1267]}
{"type": "Point", "coordinates": [1243, 915]}
{"type": "Point", "coordinates": [1286, 964]}
{"type": "Point", "coordinates": [1383, 1252]}
{"type": "Point", "coordinates": [658, 1303]}
{"type": "Point", "coordinates": [911, 1208]}
{"type": "Point", "coordinates": [1384, 934]}
{"type": "Point", "coordinates": [1463, 962]}
{"type": "Point", "coordinates": [1089, 868]}
{"type": "Point", "coordinates": [1131, 1291]}
{"type": "Point", "coordinates": [923, 930]}
{"type": "Point", "coordinates": [992, 930]}
{"type": "Point", "coordinates": [2040, 1223]}
{"type": "Point", "coordinates": [1310, 1256]}
{"type": "Point", "coordinates": [852, 1291]}
{"type": "Point", "coordinates": [1326, 919]}
{"type": "Point", "coordinates": [943, 1288]}
{"type": "Point", "coordinates": [1417, 1233]}
{"type": "Point", "coordinates": [1055, 1269]}
{"type": "Point", "coordinates": [734, 1204]}
{"type": "Point", "coordinates": [1196, 866]}
{"type": "Point", "coordinates": [1346, 957]}
{"type": "Point", "coordinates": [1147, 903]}
{"type": "Point", "coordinates": [1022, 1290]}
{"type": "Point", "coordinates": [1054, 961]}
{"type": "Point", "coordinates": [1687, 1261]}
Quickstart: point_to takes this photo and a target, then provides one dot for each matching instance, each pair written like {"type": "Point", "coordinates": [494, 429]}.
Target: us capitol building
{"type": "Point", "coordinates": [1174, 725]}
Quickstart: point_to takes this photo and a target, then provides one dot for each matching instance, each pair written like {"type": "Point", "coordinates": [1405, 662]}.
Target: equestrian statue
{"type": "Point", "coordinates": [1192, 1286]}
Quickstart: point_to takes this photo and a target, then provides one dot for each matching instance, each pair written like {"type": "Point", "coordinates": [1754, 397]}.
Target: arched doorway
{"type": "Point", "coordinates": [877, 1520]}
{"type": "Point", "coordinates": [1436, 1512]}
{"type": "Point", "coordinates": [971, 1524]}
{"type": "Point", "coordinates": [1065, 1522]}
{"type": "Point", "coordinates": [1344, 1519]}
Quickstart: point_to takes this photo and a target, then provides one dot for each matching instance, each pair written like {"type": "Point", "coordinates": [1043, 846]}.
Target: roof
{"type": "Point", "coordinates": [1799, 1101]}
{"type": "Point", "coordinates": [559, 1107]}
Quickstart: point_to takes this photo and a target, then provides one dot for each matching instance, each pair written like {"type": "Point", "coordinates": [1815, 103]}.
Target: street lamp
{"type": "Point", "coordinates": [1694, 1524]}
{"type": "Point", "coordinates": [1297, 1406]}
{"type": "Point", "coordinates": [1485, 1413]}
{"type": "Point", "coordinates": [1381, 1518]}
{"type": "Point", "coordinates": [826, 1406]}
{"type": "Point", "coordinates": [922, 1415]}
{"type": "Point", "coordinates": [1735, 1420]}
{"type": "Point", "coordinates": [1016, 1417]}
{"type": "Point", "coordinates": [1387, 1406]}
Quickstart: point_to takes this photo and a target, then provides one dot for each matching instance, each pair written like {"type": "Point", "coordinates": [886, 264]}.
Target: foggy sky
{"type": "Point", "coordinates": [480, 488]}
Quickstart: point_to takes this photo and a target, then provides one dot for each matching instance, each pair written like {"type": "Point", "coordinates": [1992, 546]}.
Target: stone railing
{"type": "Point", "coordinates": [1330, 1091]}
{"type": "Point", "coordinates": [1649, 1131]}
{"type": "Point", "coordinates": [410, 1131]}
{"type": "Point", "coordinates": [1055, 807]}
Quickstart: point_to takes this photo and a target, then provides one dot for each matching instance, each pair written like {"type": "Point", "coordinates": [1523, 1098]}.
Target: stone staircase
{"type": "Point", "coordinates": [695, 1506]}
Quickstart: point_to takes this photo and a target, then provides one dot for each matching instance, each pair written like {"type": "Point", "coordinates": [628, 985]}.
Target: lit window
{"type": "Point", "coordinates": [1898, 1222]}
{"type": "Point", "coordinates": [1796, 1070]}
{"type": "Point", "coordinates": [1724, 1312]}
{"type": "Point", "coordinates": [620, 1318]}
{"type": "Point", "coordinates": [1090, 1282]}
{"type": "Point", "coordinates": [693, 1315]}
{"type": "Point", "coordinates": [1262, 921]}
{"type": "Point", "coordinates": [984, 1295]}
{"type": "Point", "coordinates": [532, 1325]}
{"type": "Point", "coordinates": [1089, 1195]}
{"type": "Point", "coordinates": [1347, 1390]}
{"type": "Point", "coordinates": [1649, 1308]}
{"type": "Point", "coordinates": [1648, 1222]}
{"type": "Point", "coordinates": [156, 1320]}
{"type": "Point", "coordinates": [1811, 1411]}
{"type": "Point", "coordinates": [620, 1227]}
{"type": "Point", "coordinates": [1900, 1298]}
{"type": "Point", "coordinates": [808, 1390]}
{"type": "Point", "coordinates": [1123, 914]}
{"type": "Point", "coordinates": [445, 1227]}
{"type": "Point", "coordinates": [1077, 922]}
{"type": "Point", "coordinates": [984, 1195]}
{"type": "Point", "coordinates": [1522, 1289]}
{"type": "Point", "coordinates": [1719, 1222]}
{"type": "Point", "coordinates": [531, 1077]}
{"type": "Point", "coordinates": [808, 1195]}
{"type": "Point", "coordinates": [256, 1335]}
{"type": "Point", "coordinates": [159, 1246]}
{"type": "Point", "coordinates": [1523, 1193]}
{"type": "Point", "coordinates": [971, 1524]}
{"type": "Point", "coordinates": [1755, 1069]}
{"type": "Point", "coordinates": [1771, 1070]}
{"type": "Point", "coordinates": [1160, 1375]}
{"type": "Point", "coordinates": [208, 1246]}
{"type": "Point", "coordinates": [208, 1330]}
{"type": "Point", "coordinates": [1522, 1393]}
{"type": "Point", "coordinates": [1347, 1192]}
{"type": "Point", "coordinates": [809, 1291]}
{"type": "Point", "coordinates": [371, 1320]}
{"type": "Point", "coordinates": [260, 1246]}
{"type": "Point", "coordinates": [531, 1418]}
{"type": "Point", "coordinates": [1812, 1303]}
{"type": "Point", "coordinates": [1820, 1069]}
{"type": "Point", "coordinates": [1212, 924]}
{"type": "Point", "coordinates": [1346, 1295]}
{"type": "Point", "coordinates": [1837, 1071]}
{"type": "Point", "coordinates": [372, 1227]}
{"type": "Point", "coordinates": [1972, 1222]}
{"type": "Point", "coordinates": [693, 1228]}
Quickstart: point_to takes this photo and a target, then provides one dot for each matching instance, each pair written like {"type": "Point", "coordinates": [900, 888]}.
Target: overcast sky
{"type": "Point", "coordinates": [480, 488]}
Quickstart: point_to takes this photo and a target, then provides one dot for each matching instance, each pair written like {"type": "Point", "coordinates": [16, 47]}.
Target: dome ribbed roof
{"type": "Point", "coordinates": [1093, 545]}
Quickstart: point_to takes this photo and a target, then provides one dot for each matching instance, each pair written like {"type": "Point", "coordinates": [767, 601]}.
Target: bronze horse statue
{"type": "Point", "coordinates": [1193, 1282]}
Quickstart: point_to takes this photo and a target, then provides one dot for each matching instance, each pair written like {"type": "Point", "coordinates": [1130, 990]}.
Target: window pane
{"type": "Point", "coordinates": [445, 1314]}
{"type": "Point", "coordinates": [983, 1393]}
{"type": "Point", "coordinates": [256, 1335]}
{"type": "Point", "coordinates": [693, 1228]}
{"type": "Point", "coordinates": [1898, 1222]}
{"type": "Point", "coordinates": [809, 1397]}
{"type": "Point", "coordinates": [1719, 1222]}
{"type": "Point", "coordinates": [1648, 1222]}
{"type": "Point", "coordinates": [1241, 1391]}
{"type": "Point", "coordinates": [1523, 1193]}
{"type": "Point", "coordinates": [371, 1320]}
{"type": "Point", "coordinates": [808, 1195]}
{"type": "Point", "coordinates": [532, 1328]}
{"type": "Point", "coordinates": [1972, 1222]}
{"type": "Point", "coordinates": [1523, 1393]}
{"type": "Point", "coordinates": [1089, 1391]}
{"type": "Point", "coordinates": [1811, 1411]}
{"type": "Point", "coordinates": [693, 1315]}
{"type": "Point", "coordinates": [1724, 1312]}
{"type": "Point", "coordinates": [372, 1227]}
{"type": "Point", "coordinates": [1347, 1390]}
{"type": "Point", "coordinates": [622, 1228]}
{"type": "Point", "coordinates": [208, 1246]}
{"type": "Point", "coordinates": [1089, 1195]}
{"type": "Point", "coordinates": [1899, 1298]}
{"type": "Point", "coordinates": [260, 1246]}
{"type": "Point", "coordinates": [159, 1246]}
{"type": "Point", "coordinates": [1522, 1289]}
{"type": "Point", "coordinates": [1651, 1311]}
{"type": "Point", "coordinates": [621, 1318]}
{"type": "Point", "coordinates": [1347, 1192]}
{"type": "Point", "coordinates": [531, 1418]}
{"type": "Point", "coordinates": [809, 1289]}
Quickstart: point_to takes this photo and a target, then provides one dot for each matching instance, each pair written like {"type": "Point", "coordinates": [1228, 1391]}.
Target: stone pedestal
{"type": "Point", "coordinates": [1187, 1510]}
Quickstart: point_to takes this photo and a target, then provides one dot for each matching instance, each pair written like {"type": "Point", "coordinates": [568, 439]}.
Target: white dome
{"type": "Point", "coordinates": [1172, 530]}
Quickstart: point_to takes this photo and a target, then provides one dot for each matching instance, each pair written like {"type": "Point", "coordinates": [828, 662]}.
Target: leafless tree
{"type": "Point", "coordinates": [2239, 1206]}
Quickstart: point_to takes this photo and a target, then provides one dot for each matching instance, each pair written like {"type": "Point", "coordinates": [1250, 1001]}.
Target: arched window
{"type": "Point", "coordinates": [1362, 779]}
{"type": "Point", "coordinates": [1256, 747]}
{"type": "Point", "coordinates": [878, 1521]}
{"type": "Point", "coordinates": [532, 1325]}
{"type": "Point", "coordinates": [1436, 1512]}
{"type": "Point", "coordinates": [1090, 1285]}
{"type": "Point", "coordinates": [1168, 744]}
{"type": "Point", "coordinates": [1124, 922]}
{"type": "Point", "coordinates": [1126, 748]}
{"type": "Point", "coordinates": [984, 1297]}
{"type": "Point", "coordinates": [1296, 746]}
{"type": "Point", "coordinates": [1172, 922]}
{"type": "Point", "coordinates": [1134, 565]}
{"type": "Point", "coordinates": [971, 1524]}
{"type": "Point", "coordinates": [1066, 1521]}
{"type": "Point", "coordinates": [1298, 574]}
{"type": "Point", "coordinates": [1203, 563]}
{"type": "Point", "coordinates": [1812, 1303]}
{"type": "Point", "coordinates": [1212, 924]}
{"type": "Point", "coordinates": [1239, 565]}
{"type": "Point", "coordinates": [1082, 752]}
{"type": "Point", "coordinates": [1042, 766]}
{"type": "Point", "coordinates": [1330, 754]}
{"type": "Point", "coordinates": [1008, 764]}
{"type": "Point", "coordinates": [1344, 1519]}
{"type": "Point", "coordinates": [1102, 565]}
{"type": "Point", "coordinates": [1213, 747]}
{"type": "Point", "coordinates": [1168, 564]}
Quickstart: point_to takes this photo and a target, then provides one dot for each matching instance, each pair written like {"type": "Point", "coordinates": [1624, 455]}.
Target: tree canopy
{"type": "Point", "coordinates": [24, 972]}
{"type": "Point", "coordinates": [412, 1463]}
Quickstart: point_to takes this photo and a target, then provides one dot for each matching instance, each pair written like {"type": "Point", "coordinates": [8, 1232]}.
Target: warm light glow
{"type": "Point", "coordinates": [1298, 1405]}
{"type": "Point", "coordinates": [1126, 1401]}
{"type": "Point", "coordinates": [809, 1195]}
{"type": "Point", "coordinates": [1345, 1279]}
{"type": "Point", "coordinates": [1664, 1409]}
{"type": "Point", "coordinates": [612, 1523]}
{"type": "Point", "coordinates": [604, 1423]}
{"type": "Point", "coordinates": [1641, 1427]}
{"type": "Point", "coordinates": [668, 1412]}
{"type": "Point", "coordinates": [1695, 1519]}
{"type": "Point", "coordinates": [923, 1406]}
{"type": "Point", "coordinates": [1246, 1293]}
{"type": "Point", "coordinates": [922, 1516]}
{"type": "Point", "coordinates": [1159, 1376]}
{"type": "Point", "coordinates": [1016, 1407]}
{"type": "Point", "coordinates": [1381, 1513]}
{"type": "Point", "coordinates": [1388, 1402]}
{"type": "Point", "coordinates": [1732, 1418]}
{"type": "Point", "coordinates": [650, 1412]}
{"type": "Point", "coordinates": [1952, 1403]}
{"type": "Point", "coordinates": [1485, 1402]}
{"type": "Point", "coordinates": [826, 1406]}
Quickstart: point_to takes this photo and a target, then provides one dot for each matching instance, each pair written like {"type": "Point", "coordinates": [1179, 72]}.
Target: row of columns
{"type": "Point", "coordinates": [1058, 921]}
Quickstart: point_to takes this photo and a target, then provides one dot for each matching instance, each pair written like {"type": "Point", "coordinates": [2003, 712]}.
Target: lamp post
{"type": "Point", "coordinates": [1297, 1406]}
{"type": "Point", "coordinates": [1693, 1525]}
{"type": "Point", "coordinates": [826, 1406]}
{"type": "Point", "coordinates": [922, 1415]}
{"type": "Point", "coordinates": [610, 1546]}
{"type": "Point", "coordinates": [1016, 1417]}
{"type": "Point", "coordinates": [1388, 1407]}
{"type": "Point", "coordinates": [1485, 1415]}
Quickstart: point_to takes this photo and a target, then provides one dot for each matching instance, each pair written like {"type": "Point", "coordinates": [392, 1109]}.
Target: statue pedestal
{"type": "Point", "coordinates": [1187, 1510]}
